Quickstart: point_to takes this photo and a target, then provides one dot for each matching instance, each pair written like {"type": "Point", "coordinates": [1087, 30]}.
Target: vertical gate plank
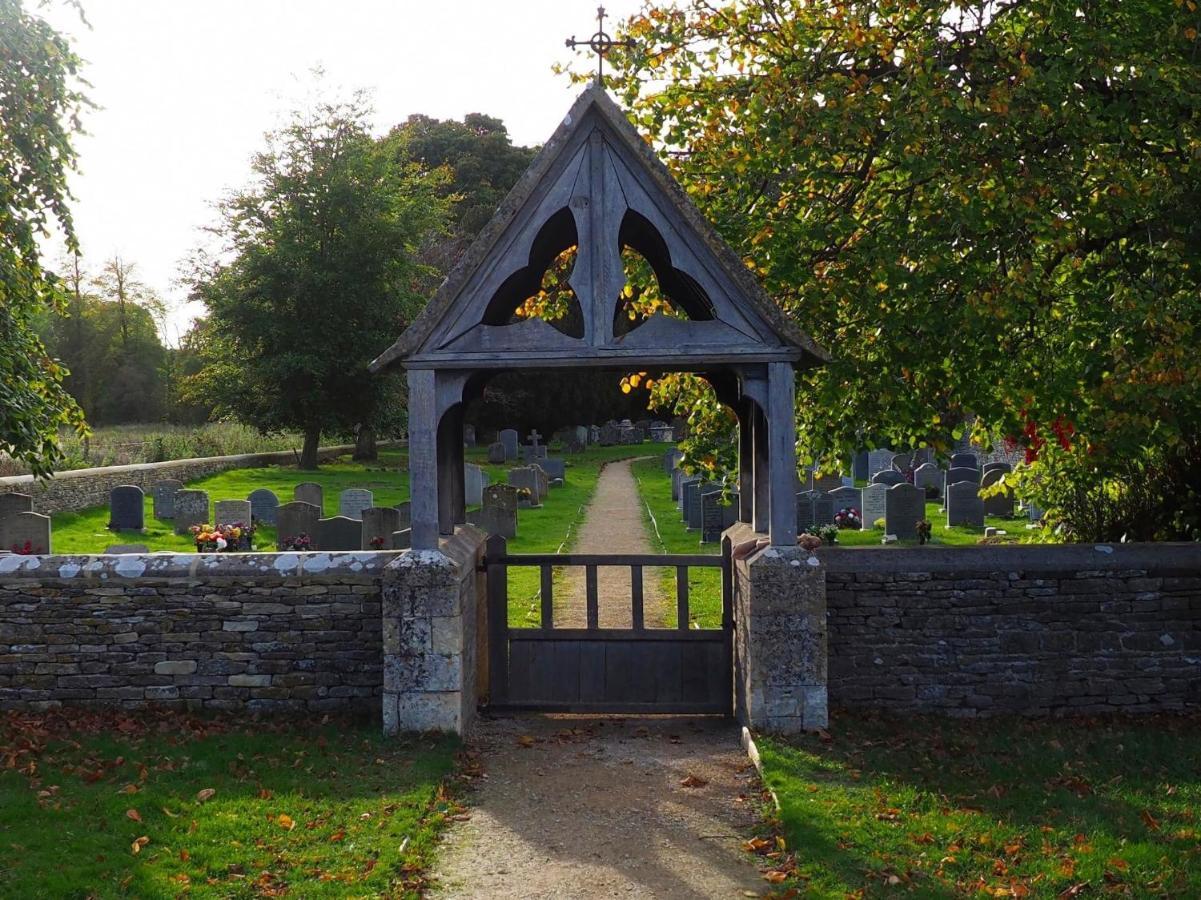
{"type": "Point", "coordinates": [593, 609]}
{"type": "Point", "coordinates": [636, 597]}
{"type": "Point", "coordinates": [497, 575]}
{"type": "Point", "coordinates": [592, 671]}
{"type": "Point", "coordinates": [682, 598]}
{"type": "Point", "coordinates": [548, 601]}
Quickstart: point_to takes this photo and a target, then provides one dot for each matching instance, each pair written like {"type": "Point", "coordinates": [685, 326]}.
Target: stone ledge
{"type": "Point", "coordinates": [1163, 559]}
{"type": "Point", "coordinates": [364, 566]}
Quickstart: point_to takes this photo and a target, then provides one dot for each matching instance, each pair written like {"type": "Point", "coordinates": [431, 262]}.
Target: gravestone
{"type": "Point", "coordinates": [823, 508]}
{"type": "Point", "coordinates": [232, 512]}
{"type": "Point", "coordinates": [380, 522]}
{"type": "Point", "coordinates": [879, 461]}
{"type": "Point", "coordinates": [1034, 513]}
{"type": "Point", "coordinates": [579, 434]}
{"type": "Point", "coordinates": [875, 504]}
{"type": "Point", "coordinates": [533, 450]}
{"type": "Point", "coordinates": [676, 475]}
{"type": "Point", "coordinates": [696, 505]}
{"type": "Point", "coordinates": [468, 438]}
{"type": "Point", "coordinates": [593, 434]}
{"type": "Point", "coordinates": [661, 434]}
{"type": "Point", "coordinates": [905, 506]}
{"type": "Point", "coordinates": [958, 474]}
{"type": "Point", "coordinates": [826, 483]}
{"type": "Point", "coordinates": [964, 506]}
{"type": "Point", "coordinates": [922, 455]}
{"type": "Point", "coordinates": [928, 475]}
{"type": "Point", "coordinates": [554, 468]}
{"type": "Point", "coordinates": [25, 532]}
{"type": "Point", "coordinates": [406, 513]}
{"type": "Point", "coordinates": [496, 453]}
{"type": "Point", "coordinates": [525, 478]}
{"type": "Point", "coordinates": [679, 428]}
{"type": "Point", "coordinates": [1001, 504]}
{"type": "Point", "coordinates": [848, 498]}
{"type": "Point", "coordinates": [163, 493]}
{"type": "Point", "coordinates": [689, 491]}
{"type": "Point", "coordinates": [964, 461]}
{"type": "Point", "coordinates": [498, 514]}
{"type": "Point", "coordinates": [859, 466]}
{"type": "Point", "coordinates": [997, 467]}
{"type": "Point", "coordinates": [402, 540]}
{"type": "Point", "coordinates": [11, 504]}
{"type": "Point", "coordinates": [352, 502]}
{"type": "Point", "coordinates": [888, 477]}
{"type": "Point", "coordinates": [671, 459]}
{"type": "Point", "coordinates": [309, 492]}
{"type": "Point", "coordinates": [716, 516]}
{"type": "Point", "coordinates": [191, 508]}
{"type": "Point", "coordinates": [120, 549]}
{"type": "Point", "coordinates": [609, 435]}
{"type": "Point", "coordinates": [902, 462]}
{"type": "Point", "coordinates": [574, 446]}
{"type": "Point", "coordinates": [340, 533]}
{"type": "Point", "coordinates": [295, 519]}
{"type": "Point", "coordinates": [263, 506]}
{"type": "Point", "coordinates": [473, 484]}
{"type": "Point", "coordinates": [508, 440]}
{"type": "Point", "coordinates": [804, 511]}
{"type": "Point", "coordinates": [126, 508]}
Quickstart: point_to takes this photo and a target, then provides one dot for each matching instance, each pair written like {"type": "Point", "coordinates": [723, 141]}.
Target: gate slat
{"type": "Point", "coordinates": [593, 607]}
{"type": "Point", "coordinates": [548, 602]}
{"type": "Point", "coordinates": [682, 598]}
{"type": "Point", "coordinates": [636, 597]}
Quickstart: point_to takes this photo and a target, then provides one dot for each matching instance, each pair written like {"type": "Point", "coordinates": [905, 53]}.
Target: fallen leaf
{"type": "Point", "coordinates": [1118, 863]}
{"type": "Point", "coordinates": [205, 795]}
{"type": "Point", "coordinates": [526, 741]}
{"type": "Point", "coordinates": [693, 781]}
{"type": "Point", "coordinates": [137, 845]}
{"type": "Point", "coordinates": [775, 876]}
{"type": "Point", "coordinates": [129, 789]}
{"type": "Point", "coordinates": [1074, 890]}
{"type": "Point", "coordinates": [133, 814]}
{"type": "Point", "coordinates": [285, 821]}
{"type": "Point", "coordinates": [265, 794]}
{"type": "Point", "coordinates": [184, 855]}
{"type": "Point", "coordinates": [1149, 820]}
{"type": "Point", "coordinates": [337, 836]}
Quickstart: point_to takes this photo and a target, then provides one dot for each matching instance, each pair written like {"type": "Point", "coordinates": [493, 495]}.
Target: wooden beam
{"type": "Point", "coordinates": [746, 460]}
{"type": "Point", "coordinates": [762, 482]}
{"type": "Point", "coordinates": [781, 428]}
{"type": "Point", "coordinates": [423, 459]}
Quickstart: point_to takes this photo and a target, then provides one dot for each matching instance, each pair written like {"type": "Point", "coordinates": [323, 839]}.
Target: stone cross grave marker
{"type": "Point", "coordinates": [310, 492]}
{"type": "Point", "coordinates": [340, 533]}
{"type": "Point", "coordinates": [964, 506]}
{"type": "Point", "coordinates": [508, 440]}
{"type": "Point", "coordinates": [847, 498]}
{"type": "Point", "coordinates": [875, 504]}
{"type": "Point", "coordinates": [533, 450]}
{"type": "Point", "coordinates": [232, 512]}
{"type": "Point", "coordinates": [888, 477]}
{"type": "Point", "coordinates": [263, 506]}
{"type": "Point", "coordinates": [999, 505]}
{"type": "Point", "coordinates": [380, 523]}
{"type": "Point", "coordinates": [11, 504]}
{"type": "Point", "coordinates": [163, 493]}
{"type": "Point", "coordinates": [191, 508]}
{"type": "Point", "coordinates": [964, 461]}
{"type": "Point", "coordinates": [352, 502]}
{"type": "Point", "coordinates": [126, 508]}
{"type": "Point", "coordinates": [25, 532]}
{"type": "Point", "coordinates": [928, 475]}
{"type": "Point", "coordinates": [905, 506]}
{"type": "Point", "coordinates": [295, 519]}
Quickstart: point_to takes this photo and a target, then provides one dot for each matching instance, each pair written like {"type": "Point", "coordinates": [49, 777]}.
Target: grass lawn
{"type": "Point", "coordinates": [989, 808]}
{"type": "Point", "coordinates": [114, 804]}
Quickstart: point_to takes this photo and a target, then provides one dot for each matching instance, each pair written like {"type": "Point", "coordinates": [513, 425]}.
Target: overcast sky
{"type": "Point", "coordinates": [186, 88]}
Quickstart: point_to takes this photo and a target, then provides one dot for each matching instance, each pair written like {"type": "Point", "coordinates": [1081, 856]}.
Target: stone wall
{"type": "Point", "coordinates": [287, 632]}
{"type": "Point", "coordinates": [1031, 630]}
{"type": "Point", "coordinates": [85, 488]}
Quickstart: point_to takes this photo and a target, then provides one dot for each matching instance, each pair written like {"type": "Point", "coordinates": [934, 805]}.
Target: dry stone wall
{"type": "Point", "coordinates": [1029, 630]}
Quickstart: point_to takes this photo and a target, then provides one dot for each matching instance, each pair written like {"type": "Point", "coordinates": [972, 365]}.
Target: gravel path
{"type": "Point", "coordinates": [587, 807]}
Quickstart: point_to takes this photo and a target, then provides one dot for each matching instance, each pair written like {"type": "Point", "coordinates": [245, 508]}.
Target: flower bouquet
{"type": "Point", "coordinates": [235, 538]}
{"type": "Point", "coordinates": [849, 519]}
{"type": "Point", "coordinates": [300, 542]}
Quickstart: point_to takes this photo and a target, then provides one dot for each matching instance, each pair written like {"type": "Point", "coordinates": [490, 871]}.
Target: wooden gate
{"type": "Point", "coordinates": [613, 670]}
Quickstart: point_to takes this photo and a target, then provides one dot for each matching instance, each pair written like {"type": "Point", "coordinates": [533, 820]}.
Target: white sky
{"type": "Point", "coordinates": [185, 90]}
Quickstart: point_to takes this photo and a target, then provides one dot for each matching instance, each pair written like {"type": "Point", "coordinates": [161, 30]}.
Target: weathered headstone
{"type": "Point", "coordinates": [695, 509]}
{"type": "Point", "coordinates": [340, 533]}
{"type": "Point", "coordinates": [11, 504]}
{"type": "Point", "coordinates": [554, 467]}
{"type": "Point", "coordinates": [860, 465]}
{"type": "Point", "coordinates": [804, 511]}
{"type": "Point", "coordinates": [473, 484]}
{"type": "Point", "coordinates": [848, 498]}
{"type": "Point", "coordinates": [310, 492]}
{"type": "Point", "coordinates": [525, 478]}
{"type": "Point", "coordinates": [533, 450]}
{"type": "Point", "coordinates": [716, 515]}
{"type": "Point", "coordinates": [958, 474]}
{"type": "Point", "coordinates": [126, 508]}
{"type": "Point", "coordinates": [690, 489]}
{"type": "Point", "coordinates": [119, 549]}
{"type": "Point", "coordinates": [232, 512]}
{"type": "Point", "coordinates": [875, 504]}
{"type": "Point", "coordinates": [964, 461]}
{"type": "Point", "coordinates": [902, 462]}
{"type": "Point", "coordinates": [405, 508]}
{"type": "Point", "coordinates": [662, 434]}
{"type": "Point", "coordinates": [671, 459]}
{"type": "Point", "coordinates": [25, 532]}
{"type": "Point", "coordinates": [826, 483]}
{"type": "Point", "coordinates": [679, 428]}
{"type": "Point", "coordinates": [1001, 504]}
{"type": "Point", "coordinates": [263, 506]}
{"type": "Point", "coordinates": [676, 476]}
{"type": "Point", "coordinates": [402, 540]}
{"type": "Point", "coordinates": [888, 477]}
{"type": "Point", "coordinates": [594, 434]}
{"type": "Point", "coordinates": [905, 506]}
{"type": "Point", "coordinates": [1035, 513]}
{"type": "Point", "coordinates": [498, 514]}
{"type": "Point", "coordinates": [191, 508]}
{"type": "Point", "coordinates": [352, 502]}
{"type": "Point", "coordinates": [609, 435]}
{"type": "Point", "coordinates": [496, 454]}
{"type": "Point", "coordinates": [997, 467]}
{"type": "Point", "coordinates": [964, 506]}
{"type": "Point", "coordinates": [295, 519]}
{"type": "Point", "coordinates": [927, 476]}
{"type": "Point", "coordinates": [921, 456]}
{"type": "Point", "coordinates": [508, 440]}
{"type": "Point", "coordinates": [163, 492]}
{"type": "Point", "coordinates": [468, 436]}
{"type": "Point", "coordinates": [379, 523]}
{"type": "Point", "coordinates": [879, 461]}
{"type": "Point", "coordinates": [823, 508]}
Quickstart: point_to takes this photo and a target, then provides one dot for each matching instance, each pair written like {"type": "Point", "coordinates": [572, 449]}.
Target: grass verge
{"type": "Point", "coordinates": [996, 808]}
{"type": "Point", "coordinates": [160, 804]}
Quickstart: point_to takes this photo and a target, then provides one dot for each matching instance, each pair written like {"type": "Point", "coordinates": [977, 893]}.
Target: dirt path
{"type": "Point", "coordinates": [612, 524]}
{"type": "Point", "coordinates": [582, 807]}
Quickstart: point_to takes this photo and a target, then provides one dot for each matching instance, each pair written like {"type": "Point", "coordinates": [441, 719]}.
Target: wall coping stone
{"type": "Point", "coordinates": [1164, 558]}
{"type": "Point", "coordinates": [365, 565]}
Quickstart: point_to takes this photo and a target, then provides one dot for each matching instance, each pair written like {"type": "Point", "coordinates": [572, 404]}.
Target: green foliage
{"type": "Point", "coordinates": [39, 110]}
{"type": "Point", "coordinates": [980, 207]}
{"type": "Point", "coordinates": [319, 270]}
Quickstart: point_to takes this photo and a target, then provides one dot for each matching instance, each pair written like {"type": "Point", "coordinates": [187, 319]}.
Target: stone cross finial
{"type": "Point", "coordinates": [600, 44]}
{"type": "Point", "coordinates": [534, 437]}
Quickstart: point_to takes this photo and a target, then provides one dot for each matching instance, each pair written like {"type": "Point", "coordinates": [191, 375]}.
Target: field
{"type": "Point", "coordinates": [163, 804]}
{"type": "Point", "coordinates": [937, 808]}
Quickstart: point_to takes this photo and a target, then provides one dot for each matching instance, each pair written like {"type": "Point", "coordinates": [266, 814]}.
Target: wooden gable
{"type": "Point", "coordinates": [597, 186]}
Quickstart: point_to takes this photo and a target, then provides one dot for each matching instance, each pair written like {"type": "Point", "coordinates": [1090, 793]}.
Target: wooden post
{"type": "Point", "coordinates": [781, 430]}
{"type": "Point", "coordinates": [762, 470]}
{"type": "Point", "coordinates": [423, 459]}
{"type": "Point", "coordinates": [746, 461]}
{"type": "Point", "coordinates": [497, 573]}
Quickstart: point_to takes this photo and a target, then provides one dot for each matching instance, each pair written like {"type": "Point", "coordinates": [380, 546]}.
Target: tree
{"type": "Point", "coordinates": [40, 104]}
{"type": "Point", "coordinates": [982, 207]}
{"type": "Point", "coordinates": [318, 270]}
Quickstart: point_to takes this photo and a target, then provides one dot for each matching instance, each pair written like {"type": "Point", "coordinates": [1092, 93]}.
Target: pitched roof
{"type": "Point", "coordinates": [595, 102]}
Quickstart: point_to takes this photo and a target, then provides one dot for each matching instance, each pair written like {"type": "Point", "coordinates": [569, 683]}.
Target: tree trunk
{"type": "Point", "coordinates": [308, 455]}
{"type": "Point", "coordinates": [364, 443]}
